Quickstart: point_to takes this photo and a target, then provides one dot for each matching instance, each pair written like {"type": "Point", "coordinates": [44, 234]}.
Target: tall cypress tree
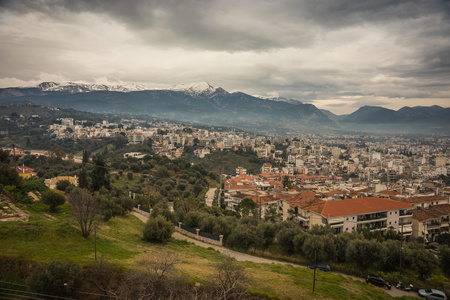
{"type": "Point", "coordinates": [100, 174]}
{"type": "Point", "coordinates": [85, 157]}
{"type": "Point", "coordinates": [83, 181]}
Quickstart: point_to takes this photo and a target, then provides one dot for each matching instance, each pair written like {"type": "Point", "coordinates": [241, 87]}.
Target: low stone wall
{"type": "Point", "coordinates": [199, 237]}
{"type": "Point", "coordinates": [185, 232]}
{"type": "Point", "coordinates": [139, 211]}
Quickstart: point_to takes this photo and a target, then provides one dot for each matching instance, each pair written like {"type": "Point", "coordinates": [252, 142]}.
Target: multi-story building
{"type": "Point", "coordinates": [135, 138]}
{"type": "Point", "coordinates": [430, 222]}
{"type": "Point", "coordinates": [356, 214]}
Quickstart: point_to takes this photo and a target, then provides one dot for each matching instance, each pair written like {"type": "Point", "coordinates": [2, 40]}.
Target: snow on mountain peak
{"type": "Point", "coordinates": [75, 87]}
{"type": "Point", "coordinates": [193, 89]}
{"type": "Point", "coordinates": [196, 88]}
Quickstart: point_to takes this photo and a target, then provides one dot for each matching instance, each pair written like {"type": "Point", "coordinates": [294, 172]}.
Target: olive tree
{"type": "Point", "coordinates": [320, 247]}
{"type": "Point", "coordinates": [52, 199]}
{"type": "Point", "coordinates": [158, 229]}
{"type": "Point", "coordinates": [365, 253]}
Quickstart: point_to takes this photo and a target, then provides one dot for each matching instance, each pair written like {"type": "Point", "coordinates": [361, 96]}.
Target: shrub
{"type": "Point", "coordinates": [158, 230]}
{"type": "Point", "coordinates": [62, 185]}
{"type": "Point", "coordinates": [62, 279]}
{"type": "Point", "coordinates": [130, 176]}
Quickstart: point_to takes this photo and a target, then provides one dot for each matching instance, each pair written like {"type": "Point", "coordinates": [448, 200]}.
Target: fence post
{"type": "Point", "coordinates": [179, 224]}
{"type": "Point", "coordinates": [139, 206]}
{"type": "Point", "coordinates": [198, 231]}
{"type": "Point", "coordinates": [221, 239]}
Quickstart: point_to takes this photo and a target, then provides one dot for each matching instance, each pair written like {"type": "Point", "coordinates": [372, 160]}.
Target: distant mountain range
{"type": "Point", "coordinates": [203, 103]}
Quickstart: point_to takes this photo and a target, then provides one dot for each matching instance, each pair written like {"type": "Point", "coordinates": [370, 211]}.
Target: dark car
{"type": "Point", "coordinates": [432, 294]}
{"type": "Point", "coordinates": [377, 281]}
{"type": "Point", "coordinates": [320, 266]}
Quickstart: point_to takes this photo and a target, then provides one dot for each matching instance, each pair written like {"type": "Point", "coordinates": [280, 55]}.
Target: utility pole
{"type": "Point", "coordinates": [401, 250]}
{"type": "Point", "coordinates": [14, 156]}
{"type": "Point", "coordinates": [260, 204]}
{"type": "Point", "coordinates": [95, 240]}
{"type": "Point", "coordinates": [314, 281]}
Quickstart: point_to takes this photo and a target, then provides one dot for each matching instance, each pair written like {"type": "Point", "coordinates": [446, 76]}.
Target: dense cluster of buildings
{"type": "Point", "coordinates": [349, 182]}
{"type": "Point", "coordinates": [345, 206]}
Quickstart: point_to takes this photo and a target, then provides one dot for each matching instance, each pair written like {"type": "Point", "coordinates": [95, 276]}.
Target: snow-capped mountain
{"type": "Point", "coordinates": [74, 87]}
{"type": "Point", "coordinates": [193, 89]}
{"type": "Point", "coordinates": [280, 99]}
{"type": "Point", "coordinates": [197, 89]}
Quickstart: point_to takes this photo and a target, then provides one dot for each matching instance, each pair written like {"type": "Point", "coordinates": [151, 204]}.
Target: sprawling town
{"type": "Point", "coordinates": [375, 182]}
{"type": "Point", "coordinates": [374, 207]}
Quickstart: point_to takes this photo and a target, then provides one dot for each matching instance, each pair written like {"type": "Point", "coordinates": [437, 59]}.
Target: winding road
{"type": "Point", "coordinates": [246, 257]}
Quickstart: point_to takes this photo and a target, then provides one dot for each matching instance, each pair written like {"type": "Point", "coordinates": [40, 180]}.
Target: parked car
{"type": "Point", "coordinates": [432, 294]}
{"type": "Point", "coordinates": [378, 281]}
{"type": "Point", "coordinates": [320, 266]}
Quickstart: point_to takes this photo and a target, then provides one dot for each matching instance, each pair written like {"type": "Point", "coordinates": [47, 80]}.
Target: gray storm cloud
{"type": "Point", "coordinates": [309, 50]}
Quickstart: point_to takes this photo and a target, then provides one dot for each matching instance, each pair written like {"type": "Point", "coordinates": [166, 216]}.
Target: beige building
{"type": "Point", "coordinates": [430, 222]}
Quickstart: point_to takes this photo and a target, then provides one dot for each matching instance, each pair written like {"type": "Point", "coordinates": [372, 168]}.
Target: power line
{"type": "Point", "coordinates": [34, 294]}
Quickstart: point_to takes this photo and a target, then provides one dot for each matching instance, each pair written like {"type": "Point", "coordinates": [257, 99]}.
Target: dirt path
{"type": "Point", "coordinates": [246, 257]}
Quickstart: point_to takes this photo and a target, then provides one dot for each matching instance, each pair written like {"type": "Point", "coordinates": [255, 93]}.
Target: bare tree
{"type": "Point", "coordinates": [86, 207]}
{"type": "Point", "coordinates": [230, 280]}
{"type": "Point", "coordinates": [156, 278]}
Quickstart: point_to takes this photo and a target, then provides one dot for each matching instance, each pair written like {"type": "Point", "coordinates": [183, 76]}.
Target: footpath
{"type": "Point", "coordinates": [246, 257]}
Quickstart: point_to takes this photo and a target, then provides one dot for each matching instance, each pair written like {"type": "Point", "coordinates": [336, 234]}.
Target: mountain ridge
{"type": "Point", "coordinates": [201, 102]}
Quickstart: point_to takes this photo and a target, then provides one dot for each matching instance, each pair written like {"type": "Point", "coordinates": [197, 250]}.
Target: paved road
{"type": "Point", "coordinates": [210, 196]}
{"type": "Point", "coordinates": [246, 257]}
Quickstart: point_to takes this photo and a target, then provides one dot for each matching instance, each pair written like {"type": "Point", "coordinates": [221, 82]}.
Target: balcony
{"type": "Point", "coordinates": [380, 225]}
{"type": "Point", "coordinates": [409, 223]}
{"type": "Point", "coordinates": [405, 213]}
{"type": "Point", "coordinates": [432, 225]}
{"type": "Point", "coordinates": [372, 217]}
{"type": "Point", "coordinates": [338, 224]}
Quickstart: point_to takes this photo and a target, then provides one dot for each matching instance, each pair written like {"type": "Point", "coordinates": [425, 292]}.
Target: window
{"type": "Point", "coordinates": [395, 212]}
{"type": "Point", "coordinates": [390, 213]}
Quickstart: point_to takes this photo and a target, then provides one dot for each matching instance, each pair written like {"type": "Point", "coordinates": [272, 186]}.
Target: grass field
{"type": "Point", "coordinates": [55, 236]}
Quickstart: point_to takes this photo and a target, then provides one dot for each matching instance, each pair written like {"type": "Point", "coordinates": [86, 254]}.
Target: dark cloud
{"type": "Point", "coordinates": [237, 25]}
{"type": "Point", "coordinates": [367, 51]}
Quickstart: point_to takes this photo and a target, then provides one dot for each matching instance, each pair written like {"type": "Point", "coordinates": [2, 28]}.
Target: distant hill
{"type": "Point", "coordinates": [407, 119]}
{"type": "Point", "coordinates": [198, 102]}
{"type": "Point", "coordinates": [203, 103]}
{"type": "Point", "coordinates": [333, 116]}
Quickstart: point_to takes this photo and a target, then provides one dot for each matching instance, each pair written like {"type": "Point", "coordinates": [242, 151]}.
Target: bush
{"type": "Point", "coordinates": [53, 199]}
{"type": "Point", "coordinates": [365, 253]}
{"type": "Point", "coordinates": [285, 238]}
{"type": "Point", "coordinates": [242, 237]}
{"type": "Point", "coordinates": [57, 279]}
{"type": "Point", "coordinates": [62, 185]}
{"type": "Point", "coordinates": [158, 230]}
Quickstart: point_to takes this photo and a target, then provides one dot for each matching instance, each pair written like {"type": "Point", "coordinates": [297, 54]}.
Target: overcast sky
{"type": "Point", "coordinates": [336, 54]}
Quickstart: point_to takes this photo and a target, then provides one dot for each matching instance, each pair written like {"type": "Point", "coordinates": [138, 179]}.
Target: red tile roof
{"type": "Point", "coordinates": [356, 206]}
{"type": "Point", "coordinates": [422, 199]}
{"type": "Point", "coordinates": [23, 170]}
{"type": "Point", "coordinates": [434, 212]}
{"type": "Point", "coordinates": [388, 192]}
